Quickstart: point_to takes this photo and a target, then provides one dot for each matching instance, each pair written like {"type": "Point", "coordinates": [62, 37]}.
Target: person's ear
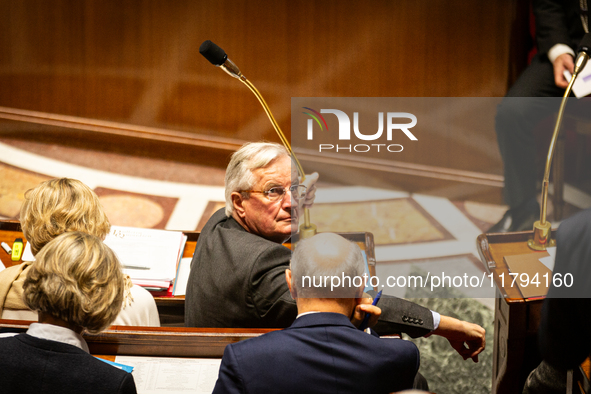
{"type": "Point", "coordinates": [292, 289]}
{"type": "Point", "coordinates": [362, 298]}
{"type": "Point", "coordinates": [238, 203]}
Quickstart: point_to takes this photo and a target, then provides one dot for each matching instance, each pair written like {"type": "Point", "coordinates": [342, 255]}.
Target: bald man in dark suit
{"type": "Point", "coordinates": [323, 351]}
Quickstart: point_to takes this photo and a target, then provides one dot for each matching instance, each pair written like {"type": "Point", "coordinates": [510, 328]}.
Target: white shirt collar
{"type": "Point", "coordinates": [306, 313]}
{"type": "Point", "coordinates": [57, 333]}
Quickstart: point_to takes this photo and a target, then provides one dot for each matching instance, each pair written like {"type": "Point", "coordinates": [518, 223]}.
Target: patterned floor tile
{"type": "Point", "coordinates": [135, 209]}
{"type": "Point", "coordinates": [397, 221]}
{"type": "Point", "coordinates": [14, 182]}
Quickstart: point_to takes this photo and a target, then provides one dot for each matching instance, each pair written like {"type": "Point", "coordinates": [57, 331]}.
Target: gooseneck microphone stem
{"type": "Point", "coordinates": [546, 179]}
{"type": "Point", "coordinates": [542, 237]}
{"type": "Point", "coordinates": [274, 123]}
{"type": "Point", "coordinates": [218, 57]}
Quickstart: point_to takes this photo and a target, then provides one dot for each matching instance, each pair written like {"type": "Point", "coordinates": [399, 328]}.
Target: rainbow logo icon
{"type": "Point", "coordinates": [316, 115]}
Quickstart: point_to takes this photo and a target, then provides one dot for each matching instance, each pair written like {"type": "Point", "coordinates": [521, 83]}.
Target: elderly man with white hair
{"type": "Point", "coordinates": [237, 272]}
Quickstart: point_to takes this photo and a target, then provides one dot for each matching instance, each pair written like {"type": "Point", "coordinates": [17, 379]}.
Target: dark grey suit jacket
{"type": "Point", "coordinates": [40, 366]}
{"type": "Point", "coordinates": [237, 279]}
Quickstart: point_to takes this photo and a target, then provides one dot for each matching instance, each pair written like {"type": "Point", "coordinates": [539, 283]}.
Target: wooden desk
{"type": "Point", "coordinates": [156, 341]}
{"type": "Point", "coordinates": [515, 351]}
{"type": "Point", "coordinates": [9, 231]}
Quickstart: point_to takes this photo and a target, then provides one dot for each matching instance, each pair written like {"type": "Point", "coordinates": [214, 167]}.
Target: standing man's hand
{"type": "Point", "coordinates": [563, 62]}
{"type": "Point", "coordinates": [310, 183]}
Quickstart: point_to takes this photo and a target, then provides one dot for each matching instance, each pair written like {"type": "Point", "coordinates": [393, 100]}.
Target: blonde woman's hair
{"type": "Point", "coordinates": [76, 278]}
{"type": "Point", "coordinates": [59, 205]}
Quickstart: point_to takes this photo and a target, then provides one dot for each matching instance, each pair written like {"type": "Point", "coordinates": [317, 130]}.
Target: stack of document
{"type": "Point", "coordinates": [149, 257]}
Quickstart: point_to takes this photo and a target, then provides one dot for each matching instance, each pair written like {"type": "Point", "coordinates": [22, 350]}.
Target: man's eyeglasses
{"type": "Point", "coordinates": [278, 192]}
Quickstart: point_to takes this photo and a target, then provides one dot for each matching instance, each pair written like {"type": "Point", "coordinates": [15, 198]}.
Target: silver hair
{"type": "Point", "coordinates": [243, 162]}
{"type": "Point", "coordinates": [304, 264]}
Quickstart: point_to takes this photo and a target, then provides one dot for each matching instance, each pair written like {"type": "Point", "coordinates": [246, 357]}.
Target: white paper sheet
{"type": "Point", "coordinates": [582, 85]}
{"type": "Point", "coordinates": [164, 375]}
{"type": "Point", "coordinates": [548, 261]}
{"type": "Point", "coordinates": [28, 253]}
{"type": "Point", "coordinates": [154, 253]}
{"type": "Point", "coordinates": [182, 277]}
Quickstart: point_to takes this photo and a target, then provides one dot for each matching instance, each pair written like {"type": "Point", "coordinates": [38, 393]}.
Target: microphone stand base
{"type": "Point", "coordinates": [307, 232]}
{"type": "Point", "coordinates": [542, 238]}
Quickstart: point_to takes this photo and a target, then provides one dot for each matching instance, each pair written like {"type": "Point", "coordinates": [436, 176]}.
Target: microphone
{"type": "Point", "coordinates": [542, 232]}
{"type": "Point", "coordinates": [217, 56]}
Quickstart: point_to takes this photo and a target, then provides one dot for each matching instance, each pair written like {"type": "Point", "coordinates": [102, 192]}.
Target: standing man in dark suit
{"type": "Point", "coordinates": [564, 339]}
{"type": "Point", "coordinates": [322, 351]}
{"type": "Point", "coordinates": [560, 25]}
{"type": "Point", "coordinates": [237, 272]}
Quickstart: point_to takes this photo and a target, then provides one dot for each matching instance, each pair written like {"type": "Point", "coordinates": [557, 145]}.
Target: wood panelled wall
{"type": "Point", "coordinates": [137, 61]}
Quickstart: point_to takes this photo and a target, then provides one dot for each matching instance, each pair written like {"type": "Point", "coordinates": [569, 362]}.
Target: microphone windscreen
{"type": "Point", "coordinates": [213, 53]}
{"type": "Point", "coordinates": [585, 45]}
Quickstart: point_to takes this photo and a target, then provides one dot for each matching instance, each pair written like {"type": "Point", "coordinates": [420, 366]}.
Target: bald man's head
{"type": "Point", "coordinates": [325, 266]}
